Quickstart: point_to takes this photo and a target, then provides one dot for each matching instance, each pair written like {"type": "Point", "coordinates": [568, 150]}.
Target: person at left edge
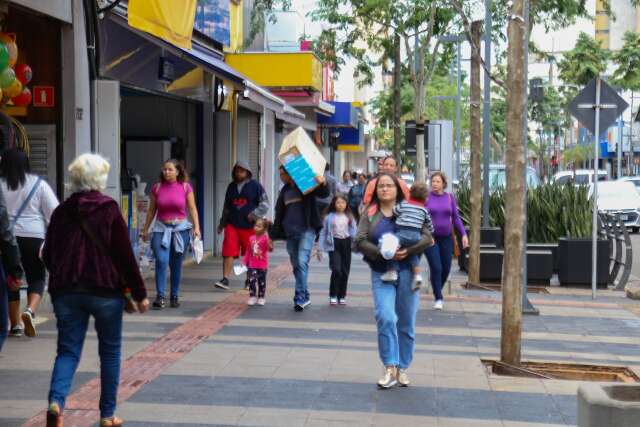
{"type": "Point", "coordinates": [244, 202]}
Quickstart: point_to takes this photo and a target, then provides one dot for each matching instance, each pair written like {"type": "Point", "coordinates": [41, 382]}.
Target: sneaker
{"type": "Point", "coordinates": [252, 301]}
{"type": "Point", "coordinates": [388, 380]}
{"type": "Point", "coordinates": [403, 378]}
{"type": "Point", "coordinates": [262, 301]}
{"type": "Point", "coordinates": [175, 303]}
{"type": "Point", "coordinates": [54, 415]}
{"type": "Point", "coordinates": [301, 305]}
{"type": "Point", "coordinates": [333, 301]}
{"type": "Point", "coordinates": [28, 319]}
{"type": "Point", "coordinates": [389, 276]}
{"type": "Point", "coordinates": [342, 301]}
{"type": "Point", "coordinates": [222, 284]}
{"type": "Point", "coordinates": [438, 305]}
{"type": "Point", "coordinates": [16, 331]}
{"type": "Point", "coordinates": [159, 303]}
{"type": "Point", "coordinates": [417, 282]}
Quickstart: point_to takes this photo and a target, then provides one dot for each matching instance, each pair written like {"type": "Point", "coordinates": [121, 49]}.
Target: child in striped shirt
{"type": "Point", "coordinates": [411, 216]}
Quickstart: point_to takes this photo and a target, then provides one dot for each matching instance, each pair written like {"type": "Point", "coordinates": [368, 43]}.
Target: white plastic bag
{"type": "Point", "coordinates": [198, 250]}
{"type": "Point", "coordinates": [239, 269]}
{"type": "Point", "coordinates": [389, 244]}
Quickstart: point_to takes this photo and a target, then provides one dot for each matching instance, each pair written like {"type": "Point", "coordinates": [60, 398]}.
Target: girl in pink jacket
{"type": "Point", "coordinates": [256, 259]}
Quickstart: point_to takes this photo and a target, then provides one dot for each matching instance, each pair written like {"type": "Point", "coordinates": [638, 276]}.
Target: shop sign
{"type": "Point", "coordinates": [43, 96]}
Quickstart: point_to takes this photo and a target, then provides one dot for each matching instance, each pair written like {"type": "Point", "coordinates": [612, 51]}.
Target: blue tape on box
{"type": "Point", "coordinates": [301, 173]}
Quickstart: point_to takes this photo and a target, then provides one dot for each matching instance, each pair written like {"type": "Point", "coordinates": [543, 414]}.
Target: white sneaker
{"type": "Point", "coordinates": [417, 282]}
{"type": "Point", "coordinates": [262, 301]}
{"type": "Point", "coordinates": [252, 301]}
{"type": "Point", "coordinates": [438, 305]}
{"type": "Point", "coordinates": [389, 276]}
{"type": "Point", "coordinates": [333, 301]}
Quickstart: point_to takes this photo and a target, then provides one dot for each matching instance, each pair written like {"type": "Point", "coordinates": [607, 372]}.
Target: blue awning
{"type": "Point", "coordinates": [345, 116]}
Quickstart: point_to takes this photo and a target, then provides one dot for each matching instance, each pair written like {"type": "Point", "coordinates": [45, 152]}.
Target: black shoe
{"type": "Point", "coordinates": [16, 331]}
{"type": "Point", "coordinates": [159, 303]}
{"type": "Point", "coordinates": [301, 305]}
{"type": "Point", "coordinates": [222, 284]}
{"type": "Point", "coordinates": [174, 302]}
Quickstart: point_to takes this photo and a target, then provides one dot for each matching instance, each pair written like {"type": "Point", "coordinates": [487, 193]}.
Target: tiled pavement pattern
{"type": "Point", "coordinates": [272, 366]}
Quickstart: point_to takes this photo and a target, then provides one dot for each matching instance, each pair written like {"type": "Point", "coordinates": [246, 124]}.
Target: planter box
{"type": "Point", "coordinates": [490, 264]}
{"type": "Point", "coordinates": [553, 247]}
{"type": "Point", "coordinates": [574, 259]}
{"type": "Point", "coordinates": [492, 236]}
{"type": "Point", "coordinates": [539, 266]}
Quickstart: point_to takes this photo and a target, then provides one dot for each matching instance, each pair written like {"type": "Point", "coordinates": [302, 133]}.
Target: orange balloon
{"type": "Point", "coordinates": [14, 89]}
{"type": "Point", "coordinates": [9, 40]}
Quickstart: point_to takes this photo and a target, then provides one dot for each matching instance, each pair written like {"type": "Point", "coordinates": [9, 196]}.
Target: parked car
{"type": "Point", "coordinates": [498, 177]}
{"type": "Point", "coordinates": [621, 198]}
{"type": "Point", "coordinates": [582, 176]}
{"type": "Point", "coordinates": [635, 180]}
{"type": "Point", "coordinates": [408, 178]}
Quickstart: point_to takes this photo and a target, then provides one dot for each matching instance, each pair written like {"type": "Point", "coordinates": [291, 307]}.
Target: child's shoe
{"type": "Point", "coordinates": [417, 282]}
{"type": "Point", "coordinates": [262, 301]}
{"type": "Point", "coordinates": [389, 276]}
{"type": "Point", "coordinates": [333, 300]}
{"type": "Point", "coordinates": [252, 301]}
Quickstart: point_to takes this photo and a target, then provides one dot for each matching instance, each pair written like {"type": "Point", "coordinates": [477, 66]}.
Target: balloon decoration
{"type": "Point", "coordinates": [13, 77]}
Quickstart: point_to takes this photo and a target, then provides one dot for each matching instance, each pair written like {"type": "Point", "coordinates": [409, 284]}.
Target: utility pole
{"type": "Point", "coordinates": [486, 114]}
{"type": "Point", "coordinates": [397, 110]}
{"type": "Point", "coordinates": [458, 102]}
{"type": "Point", "coordinates": [476, 150]}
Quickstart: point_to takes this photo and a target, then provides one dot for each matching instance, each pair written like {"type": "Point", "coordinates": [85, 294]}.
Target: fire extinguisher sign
{"type": "Point", "coordinates": [43, 96]}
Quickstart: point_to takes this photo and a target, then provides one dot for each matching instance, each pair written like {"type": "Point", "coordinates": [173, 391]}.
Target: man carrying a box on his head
{"type": "Point", "coordinates": [244, 202]}
{"type": "Point", "coordinates": [298, 220]}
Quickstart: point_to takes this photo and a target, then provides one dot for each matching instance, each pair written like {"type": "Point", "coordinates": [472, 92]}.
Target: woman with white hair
{"type": "Point", "coordinates": [93, 272]}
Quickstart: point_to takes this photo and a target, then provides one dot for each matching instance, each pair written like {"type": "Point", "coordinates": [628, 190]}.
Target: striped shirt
{"type": "Point", "coordinates": [412, 214]}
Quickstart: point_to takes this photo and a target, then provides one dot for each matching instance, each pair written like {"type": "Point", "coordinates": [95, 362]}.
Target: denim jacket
{"type": "Point", "coordinates": [171, 235]}
{"type": "Point", "coordinates": [325, 241]}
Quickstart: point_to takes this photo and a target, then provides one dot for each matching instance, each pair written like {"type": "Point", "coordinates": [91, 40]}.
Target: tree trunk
{"type": "Point", "coordinates": [476, 154]}
{"type": "Point", "coordinates": [397, 102]}
{"type": "Point", "coordinates": [511, 333]}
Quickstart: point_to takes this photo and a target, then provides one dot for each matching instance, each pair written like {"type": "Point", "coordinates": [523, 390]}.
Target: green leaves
{"type": "Point", "coordinates": [627, 73]}
{"type": "Point", "coordinates": [553, 211]}
{"type": "Point", "coordinates": [584, 62]}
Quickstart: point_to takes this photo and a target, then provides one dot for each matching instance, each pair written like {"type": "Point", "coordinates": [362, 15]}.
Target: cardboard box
{"type": "Point", "coordinates": [302, 160]}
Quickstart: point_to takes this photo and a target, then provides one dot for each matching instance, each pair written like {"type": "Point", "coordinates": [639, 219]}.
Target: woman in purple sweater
{"type": "Point", "coordinates": [444, 214]}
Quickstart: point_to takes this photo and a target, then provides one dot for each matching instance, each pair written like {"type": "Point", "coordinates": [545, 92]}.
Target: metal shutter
{"type": "Point", "coordinates": [42, 143]}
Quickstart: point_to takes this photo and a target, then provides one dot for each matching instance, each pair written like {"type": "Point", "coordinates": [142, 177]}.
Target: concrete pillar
{"type": "Point", "coordinates": [209, 190]}
{"type": "Point", "coordinates": [269, 158]}
{"type": "Point", "coordinates": [223, 165]}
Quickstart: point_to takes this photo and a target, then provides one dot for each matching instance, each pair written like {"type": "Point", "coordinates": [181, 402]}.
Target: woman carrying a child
{"type": "Point", "coordinates": [395, 302]}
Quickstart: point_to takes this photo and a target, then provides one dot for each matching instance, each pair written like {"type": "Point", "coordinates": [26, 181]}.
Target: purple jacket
{"type": "Point", "coordinates": [74, 261]}
{"type": "Point", "coordinates": [444, 213]}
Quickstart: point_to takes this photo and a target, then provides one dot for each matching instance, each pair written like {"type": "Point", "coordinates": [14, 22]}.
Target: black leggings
{"type": "Point", "coordinates": [33, 267]}
{"type": "Point", "coordinates": [340, 265]}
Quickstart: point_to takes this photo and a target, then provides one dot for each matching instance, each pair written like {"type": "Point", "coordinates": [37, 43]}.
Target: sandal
{"type": "Point", "coordinates": [111, 422]}
{"type": "Point", "coordinates": [54, 416]}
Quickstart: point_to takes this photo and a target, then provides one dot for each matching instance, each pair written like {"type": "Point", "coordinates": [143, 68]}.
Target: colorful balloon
{"type": "Point", "coordinates": [23, 99]}
{"type": "Point", "coordinates": [9, 40]}
{"type": "Point", "coordinates": [4, 56]}
{"type": "Point", "coordinates": [23, 73]}
{"type": "Point", "coordinates": [14, 89]}
{"type": "Point", "coordinates": [7, 77]}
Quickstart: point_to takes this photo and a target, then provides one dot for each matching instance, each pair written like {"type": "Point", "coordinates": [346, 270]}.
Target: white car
{"type": "Point", "coordinates": [621, 198]}
{"type": "Point", "coordinates": [582, 176]}
{"type": "Point", "coordinates": [635, 180]}
{"type": "Point", "coordinates": [408, 179]}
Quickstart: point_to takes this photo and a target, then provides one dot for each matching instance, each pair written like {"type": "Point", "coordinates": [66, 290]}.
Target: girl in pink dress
{"type": "Point", "coordinates": [256, 259]}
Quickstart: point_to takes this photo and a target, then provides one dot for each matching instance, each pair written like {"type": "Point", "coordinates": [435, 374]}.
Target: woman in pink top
{"type": "Point", "coordinates": [170, 200]}
{"type": "Point", "coordinates": [256, 259]}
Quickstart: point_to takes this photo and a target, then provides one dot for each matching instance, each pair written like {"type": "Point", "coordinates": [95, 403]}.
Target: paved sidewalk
{"type": "Point", "coordinates": [214, 361]}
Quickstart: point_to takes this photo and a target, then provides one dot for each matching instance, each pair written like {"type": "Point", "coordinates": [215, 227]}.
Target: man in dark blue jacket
{"type": "Point", "coordinates": [298, 220]}
{"type": "Point", "coordinates": [244, 202]}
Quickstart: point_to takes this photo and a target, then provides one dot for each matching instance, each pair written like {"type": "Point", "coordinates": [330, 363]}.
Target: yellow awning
{"type": "Point", "coordinates": [169, 20]}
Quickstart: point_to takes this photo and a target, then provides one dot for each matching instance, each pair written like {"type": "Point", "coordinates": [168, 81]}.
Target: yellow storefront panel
{"type": "Point", "coordinates": [169, 20]}
{"type": "Point", "coordinates": [236, 20]}
{"type": "Point", "coordinates": [279, 70]}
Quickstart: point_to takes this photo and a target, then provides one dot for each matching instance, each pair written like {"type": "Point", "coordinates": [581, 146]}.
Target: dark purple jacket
{"type": "Point", "coordinates": [74, 261]}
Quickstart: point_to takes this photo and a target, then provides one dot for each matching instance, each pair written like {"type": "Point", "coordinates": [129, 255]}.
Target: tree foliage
{"type": "Point", "coordinates": [584, 62]}
{"type": "Point", "coordinates": [627, 73]}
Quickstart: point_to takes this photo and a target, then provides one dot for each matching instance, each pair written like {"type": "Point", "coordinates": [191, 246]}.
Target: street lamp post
{"type": "Point", "coordinates": [457, 39]}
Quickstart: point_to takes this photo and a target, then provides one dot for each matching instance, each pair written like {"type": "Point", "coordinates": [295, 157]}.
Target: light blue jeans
{"type": "Point", "coordinates": [299, 249]}
{"type": "Point", "coordinates": [168, 257]}
{"type": "Point", "coordinates": [396, 306]}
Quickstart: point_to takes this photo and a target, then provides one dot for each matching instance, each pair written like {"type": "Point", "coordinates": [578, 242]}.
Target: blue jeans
{"type": "Point", "coordinates": [439, 257]}
{"type": "Point", "coordinates": [72, 316]}
{"type": "Point", "coordinates": [168, 257]}
{"type": "Point", "coordinates": [408, 237]}
{"type": "Point", "coordinates": [299, 249]}
{"type": "Point", "coordinates": [4, 308]}
{"type": "Point", "coordinates": [396, 306]}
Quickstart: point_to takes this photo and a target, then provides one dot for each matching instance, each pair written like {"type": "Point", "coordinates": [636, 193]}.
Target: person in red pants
{"type": "Point", "coordinates": [244, 202]}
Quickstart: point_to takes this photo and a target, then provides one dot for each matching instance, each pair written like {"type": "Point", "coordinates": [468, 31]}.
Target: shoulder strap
{"type": "Point", "coordinates": [26, 202]}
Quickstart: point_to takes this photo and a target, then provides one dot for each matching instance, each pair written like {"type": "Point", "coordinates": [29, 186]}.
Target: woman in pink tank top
{"type": "Point", "coordinates": [171, 199]}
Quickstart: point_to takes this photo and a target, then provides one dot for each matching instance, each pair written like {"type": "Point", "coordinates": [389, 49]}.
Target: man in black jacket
{"type": "Point", "coordinates": [11, 271]}
{"type": "Point", "coordinates": [298, 221]}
